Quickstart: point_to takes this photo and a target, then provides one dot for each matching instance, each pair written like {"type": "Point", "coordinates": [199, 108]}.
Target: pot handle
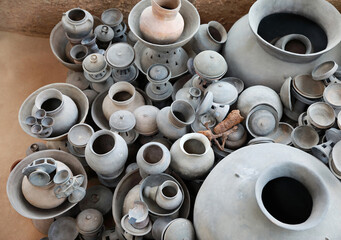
{"type": "Point", "coordinates": [15, 163]}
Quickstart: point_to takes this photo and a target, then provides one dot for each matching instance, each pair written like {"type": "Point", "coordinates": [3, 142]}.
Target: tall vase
{"type": "Point", "coordinates": [162, 23]}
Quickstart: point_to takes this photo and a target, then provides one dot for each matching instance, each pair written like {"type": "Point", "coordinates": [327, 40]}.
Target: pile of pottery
{"type": "Point", "coordinates": [160, 120]}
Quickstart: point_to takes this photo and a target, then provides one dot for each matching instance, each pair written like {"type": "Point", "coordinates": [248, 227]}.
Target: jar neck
{"type": "Point", "coordinates": [166, 9]}
{"type": "Point", "coordinates": [117, 92]}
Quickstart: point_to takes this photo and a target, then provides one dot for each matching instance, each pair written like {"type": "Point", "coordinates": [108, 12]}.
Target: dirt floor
{"type": "Point", "coordinates": [26, 63]}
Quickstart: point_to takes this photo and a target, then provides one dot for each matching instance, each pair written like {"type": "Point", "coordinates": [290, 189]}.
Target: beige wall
{"type": "Point", "coordinates": [37, 17]}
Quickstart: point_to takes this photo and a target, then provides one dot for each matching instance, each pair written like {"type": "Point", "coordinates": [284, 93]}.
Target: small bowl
{"type": "Point", "coordinates": [321, 115]}
{"type": "Point", "coordinates": [304, 137]}
{"type": "Point", "coordinates": [308, 87]}
{"type": "Point", "coordinates": [332, 95]}
{"type": "Point", "coordinates": [283, 134]}
{"type": "Point", "coordinates": [236, 82]}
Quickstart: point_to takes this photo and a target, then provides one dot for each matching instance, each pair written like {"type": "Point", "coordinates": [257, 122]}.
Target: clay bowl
{"type": "Point", "coordinates": [128, 182]}
{"type": "Point", "coordinates": [304, 137]}
{"type": "Point", "coordinates": [97, 112]}
{"type": "Point", "coordinates": [236, 82]}
{"type": "Point", "coordinates": [73, 92]}
{"type": "Point", "coordinates": [332, 95]}
{"type": "Point", "coordinates": [15, 178]}
{"type": "Point", "coordinates": [189, 13]}
{"type": "Point", "coordinates": [308, 87]}
{"type": "Point", "coordinates": [285, 93]}
{"type": "Point", "coordinates": [324, 70]}
{"type": "Point", "coordinates": [58, 43]}
{"type": "Point", "coordinates": [283, 134]}
{"type": "Point", "coordinates": [321, 115]}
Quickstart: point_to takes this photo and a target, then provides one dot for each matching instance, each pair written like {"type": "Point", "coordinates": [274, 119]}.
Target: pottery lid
{"type": "Point", "coordinates": [122, 121]}
{"type": "Point", "coordinates": [89, 220]}
{"type": "Point", "coordinates": [179, 228]}
{"type": "Point", "coordinates": [94, 63]}
{"type": "Point", "coordinates": [158, 73]}
{"type": "Point", "coordinates": [223, 93]}
{"type": "Point", "coordinates": [97, 197]}
{"type": "Point", "coordinates": [237, 135]}
{"type": "Point", "coordinates": [112, 17]}
{"type": "Point", "coordinates": [146, 119]}
{"type": "Point", "coordinates": [80, 134]}
{"type": "Point", "coordinates": [210, 64]}
{"type": "Point", "coordinates": [63, 228]}
{"type": "Point", "coordinates": [308, 87]}
{"type": "Point", "coordinates": [104, 33]}
{"type": "Point", "coordinates": [332, 94]}
{"type": "Point", "coordinates": [120, 55]}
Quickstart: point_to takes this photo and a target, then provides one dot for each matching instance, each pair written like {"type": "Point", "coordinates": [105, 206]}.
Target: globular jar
{"type": "Point", "coordinates": [251, 50]}
{"type": "Point", "coordinates": [121, 96]}
{"type": "Point", "coordinates": [173, 121]}
{"type": "Point", "coordinates": [161, 22]}
{"type": "Point", "coordinates": [77, 23]}
{"type": "Point", "coordinates": [106, 153]}
{"type": "Point", "coordinates": [60, 107]}
{"type": "Point", "coordinates": [192, 156]}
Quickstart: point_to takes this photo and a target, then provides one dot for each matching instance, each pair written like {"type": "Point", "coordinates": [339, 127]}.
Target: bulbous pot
{"type": "Point", "coordinates": [289, 194]}
{"type": "Point", "coordinates": [60, 107]}
{"type": "Point", "coordinates": [77, 23]}
{"type": "Point", "coordinates": [121, 96]}
{"type": "Point", "coordinates": [14, 183]}
{"type": "Point", "coordinates": [43, 197]}
{"type": "Point", "coordinates": [106, 153]}
{"type": "Point", "coordinates": [192, 156]}
{"type": "Point", "coordinates": [153, 158]}
{"type": "Point", "coordinates": [211, 36]}
{"type": "Point", "coordinates": [173, 121]}
{"type": "Point", "coordinates": [161, 23]}
{"type": "Point", "coordinates": [249, 51]}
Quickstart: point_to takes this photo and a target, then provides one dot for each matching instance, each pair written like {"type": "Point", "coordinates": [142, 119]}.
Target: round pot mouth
{"type": "Point", "coordinates": [76, 15]}
{"type": "Point", "coordinates": [182, 113]}
{"type": "Point", "coordinates": [79, 52]}
{"type": "Point", "coordinates": [284, 42]}
{"type": "Point", "coordinates": [194, 92]}
{"type": "Point", "coordinates": [194, 144]}
{"type": "Point", "coordinates": [98, 138]}
{"type": "Point", "coordinates": [50, 100]}
{"type": "Point", "coordinates": [153, 154]}
{"type": "Point", "coordinates": [217, 32]}
{"type": "Point", "coordinates": [306, 178]}
{"type": "Point", "coordinates": [330, 23]}
{"type": "Point", "coordinates": [169, 189]}
{"type": "Point", "coordinates": [168, 8]}
{"type": "Point", "coordinates": [120, 91]}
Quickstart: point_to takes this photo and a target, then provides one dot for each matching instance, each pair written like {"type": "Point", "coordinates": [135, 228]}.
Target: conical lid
{"type": "Point", "coordinates": [97, 197]}
{"type": "Point", "coordinates": [120, 55]}
{"type": "Point", "coordinates": [158, 73]}
{"type": "Point", "coordinates": [122, 121]}
{"type": "Point", "coordinates": [89, 220]}
{"type": "Point", "coordinates": [94, 63]}
{"type": "Point", "coordinates": [210, 64]}
{"type": "Point", "coordinates": [104, 33]}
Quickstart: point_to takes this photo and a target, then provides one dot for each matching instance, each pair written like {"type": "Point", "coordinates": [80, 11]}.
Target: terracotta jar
{"type": "Point", "coordinates": [146, 120]}
{"type": "Point", "coordinates": [250, 49]}
{"type": "Point", "coordinates": [106, 153]}
{"type": "Point", "coordinates": [60, 107]}
{"type": "Point", "coordinates": [211, 36]}
{"type": "Point", "coordinates": [192, 156]}
{"type": "Point", "coordinates": [77, 23]}
{"type": "Point", "coordinates": [43, 197]}
{"type": "Point", "coordinates": [162, 23]}
{"type": "Point", "coordinates": [121, 96]}
{"type": "Point", "coordinates": [153, 158]}
{"type": "Point", "coordinates": [173, 121]}
{"type": "Point", "coordinates": [283, 192]}
{"type": "Point", "coordinates": [90, 224]}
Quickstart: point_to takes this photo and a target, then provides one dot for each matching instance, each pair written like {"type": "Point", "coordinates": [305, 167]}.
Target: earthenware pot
{"type": "Point", "coordinates": [161, 23]}
{"type": "Point", "coordinates": [297, 178]}
{"type": "Point", "coordinates": [146, 120]}
{"type": "Point", "coordinates": [211, 36]}
{"type": "Point", "coordinates": [172, 121]}
{"type": "Point", "coordinates": [121, 96]}
{"type": "Point", "coordinates": [60, 107]}
{"type": "Point", "coordinates": [250, 40]}
{"type": "Point", "coordinates": [75, 94]}
{"type": "Point", "coordinates": [110, 150]}
{"type": "Point", "coordinates": [192, 156]}
{"type": "Point", "coordinates": [90, 224]}
{"type": "Point", "coordinates": [77, 23]}
{"type": "Point", "coordinates": [153, 158]}
{"type": "Point", "coordinates": [15, 179]}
